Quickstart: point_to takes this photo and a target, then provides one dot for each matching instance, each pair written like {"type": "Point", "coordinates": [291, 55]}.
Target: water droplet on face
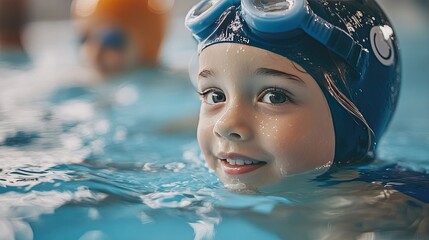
{"type": "Point", "coordinates": [228, 47]}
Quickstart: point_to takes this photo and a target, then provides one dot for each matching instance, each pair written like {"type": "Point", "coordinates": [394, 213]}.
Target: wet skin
{"type": "Point", "coordinates": [262, 116]}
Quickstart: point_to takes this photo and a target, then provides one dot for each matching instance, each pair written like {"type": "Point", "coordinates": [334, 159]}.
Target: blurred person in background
{"type": "Point", "coordinates": [118, 36]}
{"type": "Point", "coordinates": [13, 18]}
{"type": "Point", "coordinates": [121, 42]}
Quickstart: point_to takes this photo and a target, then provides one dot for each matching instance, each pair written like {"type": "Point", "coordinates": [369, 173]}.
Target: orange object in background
{"type": "Point", "coordinates": [142, 22]}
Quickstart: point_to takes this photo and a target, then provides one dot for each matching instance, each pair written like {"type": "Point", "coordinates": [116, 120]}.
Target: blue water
{"type": "Point", "coordinates": [121, 161]}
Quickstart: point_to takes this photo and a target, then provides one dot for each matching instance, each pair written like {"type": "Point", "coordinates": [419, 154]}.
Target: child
{"type": "Point", "coordinates": [117, 35]}
{"type": "Point", "coordinates": [291, 86]}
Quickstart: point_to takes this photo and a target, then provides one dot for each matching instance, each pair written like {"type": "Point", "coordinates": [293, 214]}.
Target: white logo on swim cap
{"type": "Point", "coordinates": [381, 43]}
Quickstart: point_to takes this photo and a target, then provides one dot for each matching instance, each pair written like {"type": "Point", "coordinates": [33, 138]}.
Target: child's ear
{"type": "Point", "coordinates": [193, 68]}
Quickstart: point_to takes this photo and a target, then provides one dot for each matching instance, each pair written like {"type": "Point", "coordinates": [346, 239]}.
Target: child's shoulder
{"type": "Point", "coordinates": [405, 180]}
{"type": "Point", "coordinates": [388, 176]}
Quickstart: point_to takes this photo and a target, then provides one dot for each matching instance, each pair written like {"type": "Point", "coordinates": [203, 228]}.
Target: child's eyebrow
{"type": "Point", "coordinates": [206, 74]}
{"type": "Point", "coordinates": [277, 73]}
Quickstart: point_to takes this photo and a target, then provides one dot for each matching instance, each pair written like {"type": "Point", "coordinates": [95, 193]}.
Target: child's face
{"type": "Point", "coordinates": [262, 117]}
{"type": "Point", "coordinates": [108, 49]}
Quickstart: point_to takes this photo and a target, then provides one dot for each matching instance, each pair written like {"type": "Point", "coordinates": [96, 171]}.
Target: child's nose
{"type": "Point", "coordinates": [234, 125]}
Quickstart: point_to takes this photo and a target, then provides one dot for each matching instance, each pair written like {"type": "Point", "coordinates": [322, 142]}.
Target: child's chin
{"type": "Point", "coordinates": [247, 184]}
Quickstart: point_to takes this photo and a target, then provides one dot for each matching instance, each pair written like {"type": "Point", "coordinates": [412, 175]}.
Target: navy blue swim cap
{"type": "Point", "coordinates": [348, 47]}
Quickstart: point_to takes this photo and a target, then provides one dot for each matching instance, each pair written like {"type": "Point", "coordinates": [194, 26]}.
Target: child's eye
{"type": "Point", "coordinates": [274, 96]}
{"type": "Point", "coordinates": [213, 96]}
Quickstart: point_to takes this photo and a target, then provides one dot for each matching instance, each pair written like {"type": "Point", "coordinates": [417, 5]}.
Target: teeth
{"type": "Point", "coordinates": [241, 162]}
{"type": "Point", "coordinates": [230, 161]}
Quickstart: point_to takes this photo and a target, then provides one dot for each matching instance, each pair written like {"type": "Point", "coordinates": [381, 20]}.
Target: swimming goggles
{"type": "Point", "coordinates": [276, 20]}
{"type": "Point", "coordinates": [107, 37]}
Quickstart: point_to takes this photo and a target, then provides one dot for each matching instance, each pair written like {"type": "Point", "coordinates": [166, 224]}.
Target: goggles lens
{"type": "Point", "coordinates": [113, 39]}
{"type": "Point", "coordinates": [273, 5]}
{"type": "Point", "coordinates": [108, 38]}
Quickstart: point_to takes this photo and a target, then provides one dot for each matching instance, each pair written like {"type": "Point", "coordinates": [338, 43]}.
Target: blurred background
{"type": "Point", "coordinates": [47, 30]}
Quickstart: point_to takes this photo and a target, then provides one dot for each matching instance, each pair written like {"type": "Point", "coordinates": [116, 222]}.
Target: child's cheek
{"type": "Point", "coordinates": [284, 141]}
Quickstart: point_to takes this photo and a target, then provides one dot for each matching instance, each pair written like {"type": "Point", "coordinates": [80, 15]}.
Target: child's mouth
{"type": "Point", "coordinates": [240, 166]}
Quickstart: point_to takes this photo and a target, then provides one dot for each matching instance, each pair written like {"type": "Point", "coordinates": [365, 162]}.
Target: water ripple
{"type": "Point", "coordinates": [19, 208]}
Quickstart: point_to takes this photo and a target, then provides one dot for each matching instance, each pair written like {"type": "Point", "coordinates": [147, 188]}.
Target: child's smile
{"type": "Point", "coordinates": [235, 164]}
{"type": "Point", "coordinates": [262, 117]}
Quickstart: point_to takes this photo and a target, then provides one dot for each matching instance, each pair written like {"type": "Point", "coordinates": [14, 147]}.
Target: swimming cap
{"type": "Point", "coordinates": [349, 48]}
{"type": "Point", "coordinates": [145, 20]}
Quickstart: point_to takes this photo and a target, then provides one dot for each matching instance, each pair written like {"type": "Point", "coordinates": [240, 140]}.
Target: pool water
{"type": "Point", "coordinates": [121, 161]}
